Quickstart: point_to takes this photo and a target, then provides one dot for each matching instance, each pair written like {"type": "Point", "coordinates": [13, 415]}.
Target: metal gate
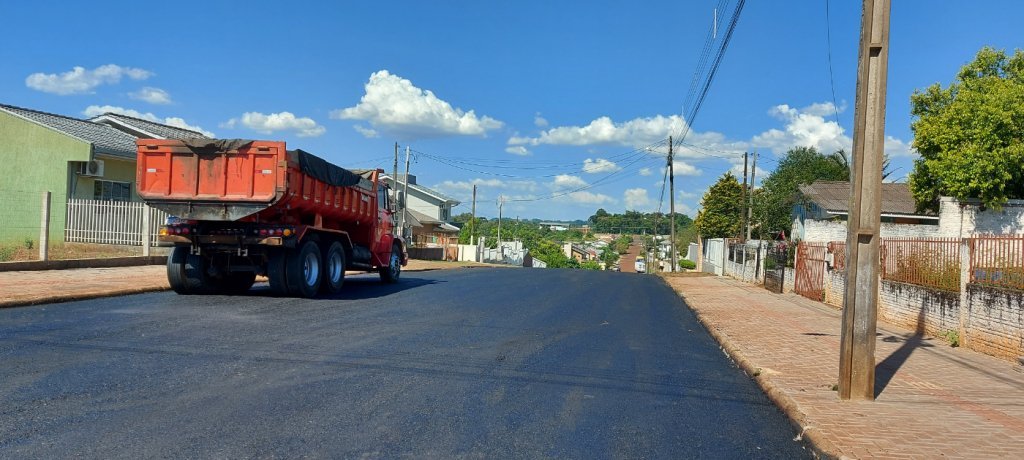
{"type": "Point", "coordinates": [775, 268]}
{"type": "Point", "coordinates": [810, 270]}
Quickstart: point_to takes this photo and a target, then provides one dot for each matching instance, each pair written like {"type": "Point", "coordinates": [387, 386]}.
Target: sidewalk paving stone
{"type": "Point", "coordinates": [932, 400]}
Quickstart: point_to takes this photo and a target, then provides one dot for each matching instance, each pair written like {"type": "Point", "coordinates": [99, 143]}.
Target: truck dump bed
{"type": "Point", "coordinates": [227, 180]}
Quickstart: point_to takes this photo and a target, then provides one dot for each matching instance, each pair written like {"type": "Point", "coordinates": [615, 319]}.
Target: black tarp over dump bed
{"type": "Point", "coordinates": [310, 164]}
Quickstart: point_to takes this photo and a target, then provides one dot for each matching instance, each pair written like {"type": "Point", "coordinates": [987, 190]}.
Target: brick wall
{"type": "Point", "coordinates": [994, 321]}
{"type": "Point", "coordinates": [825, 230]}
{"type": "Point", "coordinates": [954, 221]}
{"type": "Point", "coordinates": [835, 287]}
{"type": "Point", "coordinates": [921, 309]}
{"type": "Point", "coordinates": [1006, 221]}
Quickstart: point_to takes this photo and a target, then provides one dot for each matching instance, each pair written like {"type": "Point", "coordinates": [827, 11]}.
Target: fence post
{"type": "Point", "coordinates": [145, 230]}
{"type": "Point", "coordinates": [44, 228]}
{"type": "Point", "coordinates": [965, 278]}
{"type": "Point", "coordinates": [700, 254]}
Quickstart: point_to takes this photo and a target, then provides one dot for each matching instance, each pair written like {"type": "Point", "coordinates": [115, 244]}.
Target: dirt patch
{"type": "Point", "coordinates": [25, 252]}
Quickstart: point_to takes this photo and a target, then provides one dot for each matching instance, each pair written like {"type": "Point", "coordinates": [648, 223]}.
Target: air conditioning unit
{"type": "Point", "coordinates": [92, 168]}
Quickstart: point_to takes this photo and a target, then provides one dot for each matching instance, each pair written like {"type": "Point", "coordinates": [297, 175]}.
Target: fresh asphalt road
{"type": "Point", "coordinates": [483, 362]}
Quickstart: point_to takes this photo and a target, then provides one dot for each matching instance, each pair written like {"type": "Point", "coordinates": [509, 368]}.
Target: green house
{"type": "Point", "coordinates": [69, 157]}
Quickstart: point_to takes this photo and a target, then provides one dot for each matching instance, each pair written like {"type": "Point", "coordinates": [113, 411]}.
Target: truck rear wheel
{"type": "Point", "coordinates": [334, 269]}
{"type": "Point", "coordinates": [276, 272]}
{"type": "Point", "coordinates": [186, 272]}
{"type": "Point", "coordinates": [393, 270]}
{"type": "Point", "coordinates": [303, 270]}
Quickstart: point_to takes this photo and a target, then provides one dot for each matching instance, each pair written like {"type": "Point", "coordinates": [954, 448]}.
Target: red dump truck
{"type": "Point", "coordinates": [244, 208]}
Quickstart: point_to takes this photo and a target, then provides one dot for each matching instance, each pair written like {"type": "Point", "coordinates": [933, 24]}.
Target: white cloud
{"type": "Point", "coordinates": [517, 150]}
{"type": "Point", "coordinates": [97, 110]}
{"type": "Point", "coordinates": [566, 187]}
{"type": "Point", "coordinates": [824, 109]}
{"type": "Point", "coordinates": [600, 165]}
{"type": "Point", "coordinates": [804, 128]}
{"type": "Point", "coordinates": [282, 121]}
{"type": "Point", "coordinates": [81, 81]}
{"type": "Point", "coordinates": [366, 132]}
{"type": "Point", "coordinates": [682, 168]}
{"type": "Point", "coordinates": [584, 197]}
{"type": "Point", "coordinates": [151, 95]}
{"type": "Point", "coordinates": [897, 148]}
{"type": "Point", "coordinates": [540, 121]}
{"type": "Point", "coordinates": [565, 181]}
{"type": "Point", "coordinates": [635, 132]}
{"type": "Point", "coordinates": [646, 171]}
{"type": "Point", "coordinates": [394, 104]}
{"type": "Point", "coordinates": [636, 199]}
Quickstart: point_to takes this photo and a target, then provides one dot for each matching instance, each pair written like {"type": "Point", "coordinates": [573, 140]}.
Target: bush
{"type": "Point", "coordinates": [687, 264]}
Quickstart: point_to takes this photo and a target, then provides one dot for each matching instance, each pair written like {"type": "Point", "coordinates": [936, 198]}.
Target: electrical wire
{"type": "Point", "coordinates": [831, 76]}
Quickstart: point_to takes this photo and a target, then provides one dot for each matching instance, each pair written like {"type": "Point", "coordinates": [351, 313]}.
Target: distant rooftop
{"type": "Point", "coordinates": [151, 128]}
{"type": "Point", "coordinates": [834, 196]}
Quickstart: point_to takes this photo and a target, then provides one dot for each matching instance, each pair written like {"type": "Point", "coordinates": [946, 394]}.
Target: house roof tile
{"type": "Point", "coordinates": [834, 196]}
{"type": "Point", "coordinates": [104, 139]}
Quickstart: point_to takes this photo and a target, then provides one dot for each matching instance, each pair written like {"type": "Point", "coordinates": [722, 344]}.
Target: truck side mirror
{"type": "Point", "coordinates": [400, 199]}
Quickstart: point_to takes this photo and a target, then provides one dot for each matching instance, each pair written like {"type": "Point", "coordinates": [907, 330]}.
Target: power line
{"type": "Point", "coordinates": [831, 77]}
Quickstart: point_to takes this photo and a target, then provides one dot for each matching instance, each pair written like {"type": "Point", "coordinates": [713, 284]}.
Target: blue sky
{"type": "Point", "coordinates": [525, 99]}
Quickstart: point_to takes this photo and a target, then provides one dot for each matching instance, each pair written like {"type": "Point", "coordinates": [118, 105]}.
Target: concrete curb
{"type": "Point", "coordinates": [37, 265]}
{"type": "Point", "coordinates": [77, 297]}
{"type": "Point", "coordinates": [821, 447]}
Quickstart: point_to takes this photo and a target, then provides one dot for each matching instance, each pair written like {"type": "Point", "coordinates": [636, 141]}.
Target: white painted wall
{"type": "Point", "coordinates": [955, 221]}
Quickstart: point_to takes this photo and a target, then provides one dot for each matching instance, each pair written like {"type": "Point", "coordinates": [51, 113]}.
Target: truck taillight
{"type": "Point", "coordinates": [263, 232]}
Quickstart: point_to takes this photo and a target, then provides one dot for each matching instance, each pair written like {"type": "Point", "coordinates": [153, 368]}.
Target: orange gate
{"type": "Point", "coordinates": [810, 270]}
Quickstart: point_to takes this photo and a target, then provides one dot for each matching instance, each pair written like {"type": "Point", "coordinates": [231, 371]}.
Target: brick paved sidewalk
{"type": "Point", "coordinates": [46, 286]}
{"type": "Point", "coordinates": [933, 400]}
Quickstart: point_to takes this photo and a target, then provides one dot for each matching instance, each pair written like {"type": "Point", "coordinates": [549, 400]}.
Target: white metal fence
{"type": "Point", "coordinates": [110, 222]}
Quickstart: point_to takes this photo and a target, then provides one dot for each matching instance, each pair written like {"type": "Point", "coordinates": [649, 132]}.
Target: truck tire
{"type": "Point", "coordinates": [176, 271]}
{"type": "Point", "coordinates": [334, 269]}
{"type": "Point", "coordinates": [236, 283]}
{"type": "Point", "coordinates": [276, 272]}
{"type": "Point", "coordinates": [391, 272]}
{"type": "Point", "coordinates": [304, 270]}
{"type": "Point", "coordinates": [186, 272]}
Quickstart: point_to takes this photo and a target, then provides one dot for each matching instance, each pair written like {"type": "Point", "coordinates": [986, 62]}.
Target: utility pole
{"type": "Point", "coordinates": [405, 193]}
{"type": "Point", "coordinates": [750, 196]}
{"type": "Point", "coordinates": [394, 181]}
{"type": "Point", "coordinates": [860, 314]}
{"type": "Point", "coordinates": [672, 205]}
{"type": "Point", "coordinates": [744, 228]}
{"type": "Point", "coordinates": [472, 223]}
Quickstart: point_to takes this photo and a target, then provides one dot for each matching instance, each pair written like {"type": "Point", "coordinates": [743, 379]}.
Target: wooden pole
{"type": "Point", "coordinates": [857, 344]}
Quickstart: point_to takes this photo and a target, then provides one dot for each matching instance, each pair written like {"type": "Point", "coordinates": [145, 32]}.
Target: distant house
{"type": "Point", "coordinates": [823, 207]}
{"type": "Point", "coordinates": [430, 232]}
{"type": "Point", "coordinates": [69, 157]}
{"type": "Point", "coordinates": [424, 200]}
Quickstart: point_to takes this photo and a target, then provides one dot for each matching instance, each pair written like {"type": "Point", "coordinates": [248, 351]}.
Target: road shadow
{"type": "Point", "coordinates": [355, 288]}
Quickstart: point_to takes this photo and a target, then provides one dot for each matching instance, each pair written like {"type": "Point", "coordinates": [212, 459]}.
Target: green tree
{"type": "Point", "coordinates": [969, 134]}
{"type": "Point", "coordinates": [773, 202]}
{"type": "Point", "coordinates": [609, 256]}
{"type": "Point", "coordinates": [719, 216]}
